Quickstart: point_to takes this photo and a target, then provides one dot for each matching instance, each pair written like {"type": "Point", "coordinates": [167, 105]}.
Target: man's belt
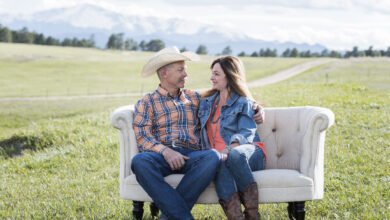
{"type": "Point", "coordinates": [182, 144]}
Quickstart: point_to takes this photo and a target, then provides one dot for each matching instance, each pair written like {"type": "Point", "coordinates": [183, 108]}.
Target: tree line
{"type": "Point", "coordinates": [370, 52]}
{"type": "Point", "coordinates": [292, 53]}
{"type": "Point", "coordinates": [117, 41]}
{"type": "Point", "coordinates": [27, 37]}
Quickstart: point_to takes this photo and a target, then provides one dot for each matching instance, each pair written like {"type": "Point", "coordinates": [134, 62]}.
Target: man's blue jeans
{"type": "Point", "coordinates": [236, 172]}
{"type": "Point", "coordinates": [150, 168]}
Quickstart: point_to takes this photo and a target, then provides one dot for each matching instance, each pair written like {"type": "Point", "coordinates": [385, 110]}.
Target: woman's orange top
{"type": "Point", "coordinates": [215, 138]}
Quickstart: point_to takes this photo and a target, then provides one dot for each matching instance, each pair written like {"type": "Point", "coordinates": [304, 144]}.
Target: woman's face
{"type": "Point", "coordinates": [218, 78]}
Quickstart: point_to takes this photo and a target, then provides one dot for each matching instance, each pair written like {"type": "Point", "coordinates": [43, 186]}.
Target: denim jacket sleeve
{"type": "Point", "coordinates": [246, 125]}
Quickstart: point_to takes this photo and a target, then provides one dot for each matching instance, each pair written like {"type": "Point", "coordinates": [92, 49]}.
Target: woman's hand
{"type": "Point", "coordinates": [224, 154]}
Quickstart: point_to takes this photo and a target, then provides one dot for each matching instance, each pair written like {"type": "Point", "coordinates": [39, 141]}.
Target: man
{"type": "Point", "coordinates": [167, 131]}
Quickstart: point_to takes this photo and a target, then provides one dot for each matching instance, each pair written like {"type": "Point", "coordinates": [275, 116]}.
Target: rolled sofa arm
{"type": "Point", "coordinates": [122, 119]}
{"type": "Point", "coordinates": [312, 158]}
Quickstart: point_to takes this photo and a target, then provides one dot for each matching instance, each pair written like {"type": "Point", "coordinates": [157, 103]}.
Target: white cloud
{"type": "Point", "coordinates": [337, 24]}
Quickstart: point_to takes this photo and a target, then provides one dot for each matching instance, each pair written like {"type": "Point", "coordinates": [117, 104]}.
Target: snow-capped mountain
{"type": "Point", "coordinates": [84, 20]}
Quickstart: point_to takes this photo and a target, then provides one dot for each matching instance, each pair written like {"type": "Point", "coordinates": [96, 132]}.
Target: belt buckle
{"type": "Point", "coordinates": [174, 144]}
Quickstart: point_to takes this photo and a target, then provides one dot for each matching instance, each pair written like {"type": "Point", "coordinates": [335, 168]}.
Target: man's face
{"type": "Point", "coordinates": [176, 74]}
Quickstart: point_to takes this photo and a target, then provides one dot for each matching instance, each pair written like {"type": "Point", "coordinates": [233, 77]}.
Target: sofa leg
{"type": "Point", "coordinates": [138, 209]}
{"type": "Point", "coordinates": [153, 209]}
{"type": "Point", "coordinates": [290, 210]}
{"type": "Point", "coordinates": [296, 210]}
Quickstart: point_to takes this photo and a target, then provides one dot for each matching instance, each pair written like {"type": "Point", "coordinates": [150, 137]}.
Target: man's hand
{"type": "Point", "coordinates": [175, 159]}
{"type": "Point", "coordinates": [260, 114]}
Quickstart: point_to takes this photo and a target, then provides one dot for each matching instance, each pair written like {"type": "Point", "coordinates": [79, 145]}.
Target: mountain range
{"type": "Point", "coordinates": [85, 20]}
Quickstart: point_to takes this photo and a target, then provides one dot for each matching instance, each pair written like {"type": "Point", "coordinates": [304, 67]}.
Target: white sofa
{"type": "Point", "coordinates": [294, 139]}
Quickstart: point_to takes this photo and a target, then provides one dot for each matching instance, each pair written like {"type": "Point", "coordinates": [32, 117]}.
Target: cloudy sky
{"type": "Point", "coordinates": [336, 24]}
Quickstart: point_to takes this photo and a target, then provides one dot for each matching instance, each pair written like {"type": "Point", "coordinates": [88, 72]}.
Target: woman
{"type": "Point", "coordinates": [227, 124]}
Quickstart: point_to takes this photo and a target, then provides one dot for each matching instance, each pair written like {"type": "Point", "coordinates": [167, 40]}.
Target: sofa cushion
{"type": "Point", "coordinates": [281, 178]}
{"type": "Point", "coordinates": [275, 185]}
{"type": "Point", "coordinates": [272, 178]}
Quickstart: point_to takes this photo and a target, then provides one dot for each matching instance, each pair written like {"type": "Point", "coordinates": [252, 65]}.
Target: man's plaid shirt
{"type": "Point", "coordinates": [160, 118]}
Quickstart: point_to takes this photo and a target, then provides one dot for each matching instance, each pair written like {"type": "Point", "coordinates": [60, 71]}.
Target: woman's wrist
{"type": "Point", "coordinates": [225, 151]}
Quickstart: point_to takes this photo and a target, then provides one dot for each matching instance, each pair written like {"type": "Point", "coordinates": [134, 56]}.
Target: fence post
{"type": "Point", "coordinates": [327, 77]}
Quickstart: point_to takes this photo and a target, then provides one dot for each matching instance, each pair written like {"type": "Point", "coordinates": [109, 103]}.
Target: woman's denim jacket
{"type": "Point", "coordinates": [237, 123]}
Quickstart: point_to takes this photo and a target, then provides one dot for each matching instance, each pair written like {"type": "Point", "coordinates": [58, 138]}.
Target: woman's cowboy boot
{"type": "Point", "coordinates": [250, 199]}
{"type": "Point", "coordinates": [232, 207]}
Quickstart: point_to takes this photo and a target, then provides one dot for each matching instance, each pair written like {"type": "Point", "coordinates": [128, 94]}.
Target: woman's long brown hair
{"type": "Point", "coordinates": [235, 74]}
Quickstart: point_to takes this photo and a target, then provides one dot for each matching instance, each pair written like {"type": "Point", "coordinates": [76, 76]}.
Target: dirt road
{"type": "Point", "coordinates": [274, 78]}
{"type": "Point", "coordinates": [287, 73]}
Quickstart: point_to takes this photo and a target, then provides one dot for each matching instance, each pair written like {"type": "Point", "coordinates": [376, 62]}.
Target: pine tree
{"type": "Point", "coordinates": [242, 54]}
{"type": "Point", "coordinates": [201, 49]}
{"type": "Point", "coordinates": [227, 51]}
{"type": "Point", "coordinates": [355, 51]}
{"type": "Point", "coordinates": [131, 44]}
{"type": "Point", "coordinates": [115, 41]}
{"type": "Point", "coordinates": [294, 53]}
{"type": "Point", "coordinates": [39, 39]}
{"type": "Point", "coordinates": [286, 53]}
{"type": "Point", "coordinates": [5, 34]}
{"type": "Point", "coordinates": [155, 45]}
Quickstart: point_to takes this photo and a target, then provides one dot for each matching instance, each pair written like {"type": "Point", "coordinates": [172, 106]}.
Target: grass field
{"type": "Point", "coordinates": [33, 70]}
{"type": "Point", "coordinates": [60, 159]}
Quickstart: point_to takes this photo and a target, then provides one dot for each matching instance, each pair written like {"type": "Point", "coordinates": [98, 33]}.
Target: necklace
{"type": "Point", "coordinates": [216, 121]}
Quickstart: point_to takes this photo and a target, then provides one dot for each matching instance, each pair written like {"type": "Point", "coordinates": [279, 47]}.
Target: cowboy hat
{"type": "Point", "coordinates": [165, 57]}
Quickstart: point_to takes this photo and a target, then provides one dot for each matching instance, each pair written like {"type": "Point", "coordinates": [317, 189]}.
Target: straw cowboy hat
{"type": "Point", "coordinates": [164, 57]}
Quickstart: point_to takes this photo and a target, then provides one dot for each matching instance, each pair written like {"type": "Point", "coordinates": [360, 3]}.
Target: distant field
{"type": "Point", "coordinates": [60, 159]}
{"type": "Point", "coordinates": [32, 70]}
{"type": "Point", "coordinates": [372, 72]}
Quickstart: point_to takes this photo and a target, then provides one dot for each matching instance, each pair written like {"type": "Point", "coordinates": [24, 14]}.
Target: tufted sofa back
{"type": "Point", "coordinates": [282, 137]}
{"type": "Point", "coordinates": [284, 133]}
{"type": "Point", "coordinates": [294, 137]}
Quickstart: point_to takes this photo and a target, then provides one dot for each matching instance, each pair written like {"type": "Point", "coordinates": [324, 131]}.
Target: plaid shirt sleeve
{"type": "Point", "coordinates": [143, 129]}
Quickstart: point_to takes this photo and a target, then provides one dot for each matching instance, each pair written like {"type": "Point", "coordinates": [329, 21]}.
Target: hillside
{"type": "Point", "coordinates": [84, 20]}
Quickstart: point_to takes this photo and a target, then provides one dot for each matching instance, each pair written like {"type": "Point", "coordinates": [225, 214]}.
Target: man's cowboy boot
{"type": "Point", "coordinates": [250, 199]}
{"type": "Point", "coordinates": [232, 207]}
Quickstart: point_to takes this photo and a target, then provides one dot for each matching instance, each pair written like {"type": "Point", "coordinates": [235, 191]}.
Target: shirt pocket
{"type": "Point", "coordinates": [230, 118]}
{"type": "Point", "coordinates": [202, 115]}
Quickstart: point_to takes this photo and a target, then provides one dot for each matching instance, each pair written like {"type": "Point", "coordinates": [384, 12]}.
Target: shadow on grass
{"type": "Point", "coordinates": [15, 145]}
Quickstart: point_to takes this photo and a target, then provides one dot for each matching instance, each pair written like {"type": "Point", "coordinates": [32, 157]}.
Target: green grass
{"type": "Point", "coordinates": [33, 70]}
{"type": "Point", "coordinates": [357, 180]}
{"type": "Point", "coordinates": [60, 159]}
{"type": "Point", "coordinates": [16, 115]}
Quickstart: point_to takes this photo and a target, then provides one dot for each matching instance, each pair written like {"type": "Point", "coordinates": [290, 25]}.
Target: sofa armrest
{"type": "Point", "coordinates": [122, 119]}
{"type": "Point", "coordinates": [312, 158]}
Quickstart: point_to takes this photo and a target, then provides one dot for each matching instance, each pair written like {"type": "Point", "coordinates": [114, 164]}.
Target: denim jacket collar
{"type": "Point", "coordinates": [233, 98]}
